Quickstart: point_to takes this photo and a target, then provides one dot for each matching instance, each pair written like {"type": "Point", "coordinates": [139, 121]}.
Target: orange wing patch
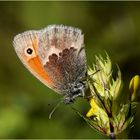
{"type": "Point", "coordinates": [35, 64]}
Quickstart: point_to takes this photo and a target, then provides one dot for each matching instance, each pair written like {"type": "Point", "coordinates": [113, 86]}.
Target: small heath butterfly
{"type": "Point", "coordinates": [56, 56]}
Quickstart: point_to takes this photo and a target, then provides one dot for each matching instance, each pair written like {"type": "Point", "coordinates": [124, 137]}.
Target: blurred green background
{"type": "Point", "coordinates": [25, 103]}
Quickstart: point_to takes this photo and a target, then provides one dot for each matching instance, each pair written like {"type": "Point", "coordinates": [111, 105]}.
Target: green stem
{"type": "Point", "coordinates": [112, 135]}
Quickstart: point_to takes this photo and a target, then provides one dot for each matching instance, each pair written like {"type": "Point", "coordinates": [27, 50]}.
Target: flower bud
{"type": "Point", "coordinates": [134, 87]}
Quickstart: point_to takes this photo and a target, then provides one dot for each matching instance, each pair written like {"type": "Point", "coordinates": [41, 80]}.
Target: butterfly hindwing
{"type": "Point", "coordinates": [62, 54]}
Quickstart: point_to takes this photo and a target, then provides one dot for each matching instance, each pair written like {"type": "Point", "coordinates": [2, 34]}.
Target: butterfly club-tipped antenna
{"type": "Point", "coordinates": [89, 76]}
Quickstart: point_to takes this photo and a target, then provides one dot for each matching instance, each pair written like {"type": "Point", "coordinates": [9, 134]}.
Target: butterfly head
{"type": "Point", "coordinates": [75, 90]}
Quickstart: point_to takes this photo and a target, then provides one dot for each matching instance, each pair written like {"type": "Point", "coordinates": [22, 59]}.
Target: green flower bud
{"type": "Point", "coordinates": [134, 87]}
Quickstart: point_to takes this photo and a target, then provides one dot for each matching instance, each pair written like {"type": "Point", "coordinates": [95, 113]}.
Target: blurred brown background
{"type": "Point", "coordinates": [25, 103]}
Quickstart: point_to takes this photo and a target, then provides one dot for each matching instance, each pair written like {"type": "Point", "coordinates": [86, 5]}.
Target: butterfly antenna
{"type": "Point", "coordinates": [89, 76]}
{"type": "Point", "coordinates": [53, 110]}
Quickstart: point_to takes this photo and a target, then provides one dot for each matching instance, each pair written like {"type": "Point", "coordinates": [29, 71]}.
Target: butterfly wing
{"type": "Point", "coordinates": [55, 55]}
{"type": "Point", "coordinates": [26, 47]}
{"type": "Point", "coordinates": [62, 54]}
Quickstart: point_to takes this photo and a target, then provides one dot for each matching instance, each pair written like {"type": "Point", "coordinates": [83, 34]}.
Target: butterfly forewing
{"type": "Point", "coordinates": [29, 40]}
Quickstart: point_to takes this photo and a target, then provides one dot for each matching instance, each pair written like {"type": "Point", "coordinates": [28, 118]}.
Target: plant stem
{"type": "Point", "coordinates": [112, 135]}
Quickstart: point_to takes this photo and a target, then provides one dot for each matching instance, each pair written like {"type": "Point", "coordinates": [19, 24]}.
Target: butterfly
{"type": "Point", "coordinates": [56, 56]}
